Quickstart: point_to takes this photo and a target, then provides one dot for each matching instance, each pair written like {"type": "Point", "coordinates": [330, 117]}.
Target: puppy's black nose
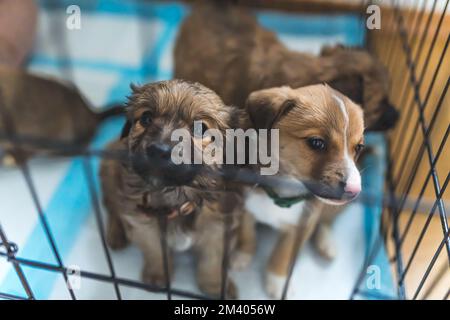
{"type": "Point", "coordinates": [159, 151]}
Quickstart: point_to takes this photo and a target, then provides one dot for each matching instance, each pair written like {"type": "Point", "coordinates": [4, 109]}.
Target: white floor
{"type": "Point", "coordinates": [313, 278]}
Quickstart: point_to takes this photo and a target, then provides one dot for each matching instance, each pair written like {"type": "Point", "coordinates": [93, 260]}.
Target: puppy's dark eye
{"type": "Point", "coordinates": [317, 144]}
{"type": "Point", "coordinates": [197, 129]}
{"type": "Point", "coordinates": [204, 128]}
{"type": "Point", "coordinates": [146, 119]}
{"type": "Point", "coordinates": [359, 147]}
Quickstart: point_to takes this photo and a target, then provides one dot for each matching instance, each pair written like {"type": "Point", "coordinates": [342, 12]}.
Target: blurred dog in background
{"type": "Point", "coordinates": [46, 111]}
{"type": "Point", "coordinates": [223, 46]}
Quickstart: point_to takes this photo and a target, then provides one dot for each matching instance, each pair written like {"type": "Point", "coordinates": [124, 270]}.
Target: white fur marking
{"type": "Point", "coordinates": [180, 241]}
{"type": "Point", "coordinates": [353, 175]}
{"type": "Point", "coordinates": [266, 211]}
{"type": "Point", "coordinates": [345, 114]}
{"type": "Point", "coordinates": [343, 110]}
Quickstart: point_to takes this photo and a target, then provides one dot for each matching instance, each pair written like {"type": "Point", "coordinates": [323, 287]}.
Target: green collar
{"type": "Point", "coordinates": [284, 202]}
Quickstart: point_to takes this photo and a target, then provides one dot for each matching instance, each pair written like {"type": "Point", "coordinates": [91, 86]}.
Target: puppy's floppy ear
{"type": "Point", "coordinates": [135, 88]}
{"type": "Point", "coordinates": [127, 126]}
{"type": "Point", "coordinates": [266, 107]}
{"type": "Point", "coordinates": [351, 86]}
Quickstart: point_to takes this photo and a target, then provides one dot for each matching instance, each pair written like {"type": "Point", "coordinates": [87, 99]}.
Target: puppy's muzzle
{"type": "Point", "coordinates": [340, 194]}
{"type": "Point", "coordinates": [159, 152]}
{"type": "Point", "coordinates": [156, 165]}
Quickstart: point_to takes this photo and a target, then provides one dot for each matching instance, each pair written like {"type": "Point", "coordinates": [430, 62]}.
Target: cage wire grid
{"type": "Point", "coordinates": [413, 45]}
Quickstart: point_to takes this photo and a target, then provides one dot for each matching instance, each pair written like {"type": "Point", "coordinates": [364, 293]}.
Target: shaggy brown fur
{"type": "Point", "coordinates": [224, 47]}
{"type": "Point", "coordinates": [137, 194]}
{"type": "Point", "coordinates": [45, 109]}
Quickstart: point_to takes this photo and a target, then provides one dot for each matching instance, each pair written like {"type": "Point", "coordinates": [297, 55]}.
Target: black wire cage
{"type": "Point", "coordinates": [412, 43]}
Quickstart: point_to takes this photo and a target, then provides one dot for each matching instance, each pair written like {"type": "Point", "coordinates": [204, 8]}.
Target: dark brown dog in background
{"type": "Point", "coordinates": [223, 46]}
{"type": "Point", "coordinates": [43, 109]}
{"type": "Point", "coordinates": [136, 192]}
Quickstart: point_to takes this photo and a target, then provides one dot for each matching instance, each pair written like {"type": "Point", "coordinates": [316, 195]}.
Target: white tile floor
{"type": "Point", "coordinates": [313, 278]}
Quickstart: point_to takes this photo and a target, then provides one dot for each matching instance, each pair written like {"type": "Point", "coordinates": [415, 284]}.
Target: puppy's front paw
{"type": "Point", "coordinates": [153, 276]}
{"type": "Point", "coordinates": [214, 288]}
{"type": "Point", "coordinates": [275, 285]}
{"type": "Point", "coordinates": [324, 243]}
{"type": "Point", "coordinates": [327, 250]}
{"type": "Point", "coordinates": [240, 260]}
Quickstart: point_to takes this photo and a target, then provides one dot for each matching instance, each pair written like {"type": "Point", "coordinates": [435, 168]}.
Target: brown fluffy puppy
{"type": "Point", "coordinates": [223, 47]}
{"type": "Point", "coordinates": [43, 109]}
{"type": "Point", "coordinates": [137, 192]}
{"type": "Point", "coordinates": [320, 139]}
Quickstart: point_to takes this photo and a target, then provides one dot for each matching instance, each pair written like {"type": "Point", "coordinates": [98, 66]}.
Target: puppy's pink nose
{"type": "Point", "coordinates": [352, 189]}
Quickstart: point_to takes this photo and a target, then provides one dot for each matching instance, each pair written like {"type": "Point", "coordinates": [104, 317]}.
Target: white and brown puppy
{"type": "Point", "coordinates": [320, 139]}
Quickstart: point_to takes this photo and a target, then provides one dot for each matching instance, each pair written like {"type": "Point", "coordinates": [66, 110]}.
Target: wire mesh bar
{"type": "Point", "coordinates": [226, 254]}
{"type": "Point", "coordinates": [387, 55]}
{"type": "Point", "coordinates": [395, 235]}
{"type": "Point", "coordinates": [443, 243]}
{"type": "Point", "coordinates": [418, 53]}
{"type": "Point", "coordinates": [107, 278]}
{"type": "Point", "coordinates": [413, 41]}
{"type": "Point", "coordinates": [424, 129]}
{"type": "Point", "coordinates": [424, 186]}
{"type": "Point", "coordinates": [392, 52]}
{"type": "Point", "coordinates": [378, 244]}
{"type": "Point", "coordinates": [25, 171]}
{"type": "Point", "coordinates": [292, 262]}
{"type": "Point", "coordinates": [413, 171]}
{"type": "Point", "coordinates": [427, 97]}
{"type": "Point", "coordinates": [100, 225]}
{"type": "Point", "coordinates": [424, 230]}
{"type": "Point", "coordinates": [418, 15]}
{"type": "Point", "coordinates": [409, 114]}
{"type": "Point", "coordinates": [10, 131]}
{"type": "Point", "coordinates": [436, 281]}
{"type": "Point", "coordinates": [162, 223]}
{"type": "Point", "coordinates": [308, 219]}
{"type": "Point", "coordinates": [8, 296]}
{"type": "Point", "coordinates": [433, 41]}
{"type": "Point", "coordinates": [414, 36]}
{"type": "Point", "coordinates": [10, 254]}
{"type": "Point", "coordinates": [447, 295]}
